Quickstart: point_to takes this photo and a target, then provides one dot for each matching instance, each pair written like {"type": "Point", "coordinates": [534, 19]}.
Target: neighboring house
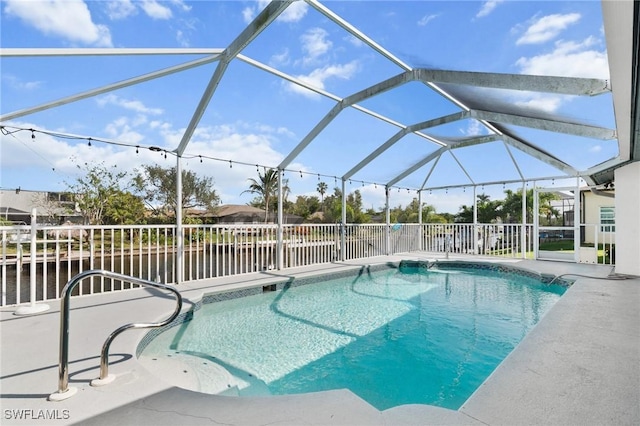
{"type": "Point", "coordinates": [51, 207]}
{"type": "Point", "coordinates": [242, 214]}
{"type": "Point", "coordinates": [598, 215]}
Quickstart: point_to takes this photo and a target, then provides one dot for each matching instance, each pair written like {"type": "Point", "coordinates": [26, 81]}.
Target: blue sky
{"type": "Point", "coordinates": [257, 118]}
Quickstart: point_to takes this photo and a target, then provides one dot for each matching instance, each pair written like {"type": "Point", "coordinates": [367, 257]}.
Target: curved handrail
{"type": "Point", "coordinates": [63, 366]}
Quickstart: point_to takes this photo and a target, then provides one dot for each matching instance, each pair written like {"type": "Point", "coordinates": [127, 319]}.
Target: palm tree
{"type": "Point", "coordinates": [265, 187]}
{"type": "Point", "coordinates": [322, 189]}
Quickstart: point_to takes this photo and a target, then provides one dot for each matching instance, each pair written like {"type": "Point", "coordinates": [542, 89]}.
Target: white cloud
{"type": "Point", "coordinates": [314, 44]}
{"type": "Point", "coordinates": [180, 4]}
{"type": "Point", "coordinates": [595, 149]}
{"type": "Point", "coordinates": [547, 103]}
{"type": "Point", "coordinates": [547, 28]}
{"type": "Point", "coordinates": [155, 10]}
{"type": "Point", "coordinates": [568, 59]}
{"type": "Point", "coordinates": [293, 13]}
{"type": "Point", "coordinates": [280, 59]}
{"type": "Point", "coordinates": [474, 128]}
{"type": "Point", "coordinates": [488, 7]}
{"type": "Point", "coordinates": [248, 13]}
{"type": "Point", "coordinates": [182, 38]}
{"type": "Point", "coordinates": [69, 19]}
{"type": "Point", "coordinates": [132, 105]}
{"type": "Point", "coordinates": [318, 77]}
{"type": "Point", "coordinates": [120, 9]}
{"type": "Point", "coordinates": [426, 19]}
{"type": "Point", "coordinates": [18, 84]}
{"type": "Point", "coordinates": [121, 130]}
{"type": "Point", "coordinates": [354, 41]}
{"type": "Point", "coordinates": [47, 152]}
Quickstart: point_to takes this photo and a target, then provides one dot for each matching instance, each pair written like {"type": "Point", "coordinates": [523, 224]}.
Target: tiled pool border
{"type": "Point", "coordinates": [295, 282]}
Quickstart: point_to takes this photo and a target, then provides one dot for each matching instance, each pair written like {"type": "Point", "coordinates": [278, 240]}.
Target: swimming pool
{"type": "Point", "coordinates": [413, 333]}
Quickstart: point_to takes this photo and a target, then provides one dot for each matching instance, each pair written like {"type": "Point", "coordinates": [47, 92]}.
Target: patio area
{"type": "Point", "coordinates": [579, 365]}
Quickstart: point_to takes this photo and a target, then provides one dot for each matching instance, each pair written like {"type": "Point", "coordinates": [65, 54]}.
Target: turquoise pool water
{"type": "Point", "coordinates": [413, 337]}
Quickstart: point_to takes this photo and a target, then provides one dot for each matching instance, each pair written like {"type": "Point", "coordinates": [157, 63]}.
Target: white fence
{"type": "Point", "coordinates": [151, 251]}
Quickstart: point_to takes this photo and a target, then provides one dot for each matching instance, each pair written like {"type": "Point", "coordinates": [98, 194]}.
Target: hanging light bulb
{"type": "Point", "coordinates": [33, 135]}
{"type": "Point", "coordinates": [137, 149]}
{"type": "Point", "coordinates": [89, 142]}
{"type": "Point", "coordinates": [200, 158]}
{"type": "Point", "coordinates": [230, 164]}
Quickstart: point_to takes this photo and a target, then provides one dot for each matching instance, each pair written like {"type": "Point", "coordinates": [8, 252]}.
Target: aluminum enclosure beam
{"type": "Point", "coordinates": [262, 21]}
{"type": "Point", "coordinates": [557, 126]}
{"type": "Point", "coordinates": [369, 92]}
{"type": "Point", "coordinates": [540, 155]}
{"type": "Point", "coordinates": [535, 83]}
{"type": "Point", "coordinates": [110, 87]}
{"type": "Point", "coordinates": [402, 133]}
{"type": "Point", "coordinates": [458, 144]}
{"type": "Point", "coordinates": [105, 51]}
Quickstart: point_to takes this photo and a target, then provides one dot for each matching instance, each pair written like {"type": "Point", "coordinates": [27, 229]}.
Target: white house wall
{"type": "Point", "coordinates": [627, 204]}
{"type": "Point", "coordinates": [591, 208]}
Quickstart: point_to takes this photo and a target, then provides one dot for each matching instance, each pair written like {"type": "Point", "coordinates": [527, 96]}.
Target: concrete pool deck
{"type": "Point", "coordinates": [579, 365]}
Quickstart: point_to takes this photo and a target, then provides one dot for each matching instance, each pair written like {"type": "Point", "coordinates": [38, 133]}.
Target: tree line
{"type": "Point", "coordinates": [106, 195]}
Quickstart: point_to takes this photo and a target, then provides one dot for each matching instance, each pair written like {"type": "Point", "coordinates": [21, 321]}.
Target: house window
{"type": "Point", "coordinates": [607, 219]}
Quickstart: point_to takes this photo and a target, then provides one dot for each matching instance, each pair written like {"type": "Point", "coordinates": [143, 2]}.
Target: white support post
{"type": "Point", "coordinates": [179, 228]}
{"type": "Point", "coordinates": [343, 227]}
{"type": "Point", "coordinates": [523, 232]}
{"type": "Point", "coordinates": [576, 222]}
{"type": "Point", "coordinates": [420, 230]}
{"type": "Point", "coordinates": [32, 308]}
{"type": "Point", "coordinates": [280, 242]}
{"type": "Point", "coordinates": [476, 248]}
{"type": "Point", "coordinates": [387, 242]}
{"type": "Point", "coordinates": [536, 222]}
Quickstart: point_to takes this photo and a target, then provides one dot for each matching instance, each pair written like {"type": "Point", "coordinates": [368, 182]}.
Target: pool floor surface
{"type": "Point", "coordinates": [579, 365]}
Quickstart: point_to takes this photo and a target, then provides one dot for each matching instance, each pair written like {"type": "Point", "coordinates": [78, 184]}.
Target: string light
{"type": "Point", "coordinates": [164, 153]}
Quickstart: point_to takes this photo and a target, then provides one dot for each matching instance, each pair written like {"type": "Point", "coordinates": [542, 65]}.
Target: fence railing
{"type": "Point", "coordinates": [149, 252]}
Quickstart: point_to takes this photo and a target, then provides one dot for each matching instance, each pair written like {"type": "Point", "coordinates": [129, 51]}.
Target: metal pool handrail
{"type": "Point", "coordinates": [63, 366]}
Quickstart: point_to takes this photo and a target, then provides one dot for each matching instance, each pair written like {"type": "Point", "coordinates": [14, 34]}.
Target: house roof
{"type": "Point", "coordinates": [231, 209]}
